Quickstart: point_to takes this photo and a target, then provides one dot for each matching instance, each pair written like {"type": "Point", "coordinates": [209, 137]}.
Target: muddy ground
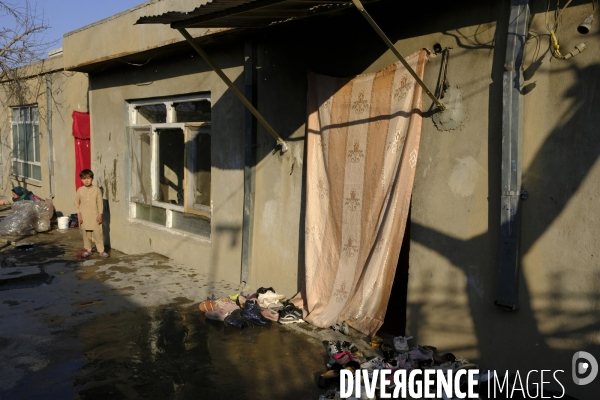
{"type": "Point", "coordinates": [129, 327]}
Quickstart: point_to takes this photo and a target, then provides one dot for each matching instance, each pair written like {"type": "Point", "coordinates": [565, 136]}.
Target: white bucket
{"type": "Point", "coordinates": [63, 222]}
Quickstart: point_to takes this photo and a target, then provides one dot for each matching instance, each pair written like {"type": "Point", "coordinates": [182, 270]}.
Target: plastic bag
{"type": "Point", "coordinates": [73, 221]}
{"type": "Point", "coordinates": [20, 222]}
{"type": "Point", "coordinates": [236, 319]}
{"type": "Point", "coordinates": [44, 211]}
{"type": "Point", "coordinates": [28, 216]}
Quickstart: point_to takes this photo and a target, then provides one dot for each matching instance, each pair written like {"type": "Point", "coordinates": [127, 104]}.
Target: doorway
{"type": "Point", "coordinates": [395, 317]}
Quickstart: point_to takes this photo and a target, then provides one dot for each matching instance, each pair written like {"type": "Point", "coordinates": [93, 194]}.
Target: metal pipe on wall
{"type": "Point", "coordinates": [250, 162]}
{"type": "Point", "coordinates": [49, 133]}
{"type": "Point", "coordinates": [512, 157]}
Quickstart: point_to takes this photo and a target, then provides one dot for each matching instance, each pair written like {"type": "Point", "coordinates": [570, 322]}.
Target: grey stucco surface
{"type": "Point", "coordinates": [455, 223]}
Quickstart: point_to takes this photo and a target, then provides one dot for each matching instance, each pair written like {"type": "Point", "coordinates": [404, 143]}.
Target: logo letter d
{"type": "Point", "coordinates": [592, 363]}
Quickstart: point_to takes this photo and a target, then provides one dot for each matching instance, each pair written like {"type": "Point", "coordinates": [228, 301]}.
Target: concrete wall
{"type": "Point", "coordinates": [455, 207]}
{"type": "Point", "coordinates": [69, 90]}
{"type": "Point", "coordinates": [220, 255]}
{"type": "Point", "coordinates": [69, 93]}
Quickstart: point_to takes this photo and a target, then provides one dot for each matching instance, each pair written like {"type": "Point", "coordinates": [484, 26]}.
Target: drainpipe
{"type": "Point", "coordinates": [49, 130]}
{"type": "Point", "coordinates": [249, 164]}
{"type": "Point", "coordinates": [512, 155]}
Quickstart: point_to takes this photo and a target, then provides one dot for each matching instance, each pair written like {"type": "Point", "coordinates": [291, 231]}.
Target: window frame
{"type": "Point", "coordinates": [190, 129]}
{"type": "Point", "coordinates": [35, 140]}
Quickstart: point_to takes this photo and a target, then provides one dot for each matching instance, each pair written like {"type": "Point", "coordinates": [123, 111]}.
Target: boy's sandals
{"type": "Point", "coordinates": [85, 254]}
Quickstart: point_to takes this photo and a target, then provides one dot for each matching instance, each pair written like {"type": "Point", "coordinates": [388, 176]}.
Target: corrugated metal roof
{"type": "Point", "coordinates": [246, 13]}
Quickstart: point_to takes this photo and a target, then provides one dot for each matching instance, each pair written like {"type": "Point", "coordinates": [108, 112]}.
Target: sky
{"type": "Point", "coordinates": [65, 16]}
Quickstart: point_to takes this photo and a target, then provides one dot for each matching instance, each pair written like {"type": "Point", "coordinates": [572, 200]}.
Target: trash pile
{"type": "Point", "coordinates": [345, 355]}
{"type": "Point", "coordinates": [28, 218]}
{"type": "Point", "coordinates": [242, 311]}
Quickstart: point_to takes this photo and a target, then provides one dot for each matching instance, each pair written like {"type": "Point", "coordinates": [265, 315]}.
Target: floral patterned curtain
{"type": "Point", "coordinates": [362, 146]}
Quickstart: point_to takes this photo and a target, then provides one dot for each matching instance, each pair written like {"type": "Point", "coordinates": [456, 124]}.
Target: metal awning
{"type": "Point", "coordinates": [261, 13]}
{"type": "Point", "coordinates": [247, 13]}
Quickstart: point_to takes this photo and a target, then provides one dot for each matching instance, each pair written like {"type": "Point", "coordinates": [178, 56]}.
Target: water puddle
{"type": "Point", "coordinates": [26, 281]}
{"type": "Point", "coordinates": [172, 352]}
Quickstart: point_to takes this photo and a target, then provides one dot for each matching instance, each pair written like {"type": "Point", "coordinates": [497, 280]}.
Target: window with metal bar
{"type": "Point", "coordinates": [26, 142]}
{"type": "Point", "coordinates": [171, 162]}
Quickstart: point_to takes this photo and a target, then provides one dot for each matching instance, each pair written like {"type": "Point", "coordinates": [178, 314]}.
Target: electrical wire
{"type": "Point", "coordinates": [555, 46]}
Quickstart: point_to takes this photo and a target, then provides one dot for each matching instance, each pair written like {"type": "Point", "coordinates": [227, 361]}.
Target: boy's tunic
{"type": "Point", "coordinates": [88, 203]}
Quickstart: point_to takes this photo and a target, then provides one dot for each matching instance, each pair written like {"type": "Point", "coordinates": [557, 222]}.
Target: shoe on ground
{"type": "Point", "coordinates": [104, 255]}
{"type": "Point", "coordinates": [290, 315]}
{"type": "Point", "coordinates": [401, 343]}
{"type": "Point", "coordinates": [241, 299]}
{"type": "Point", "coordinates": [420, 353]}
{"type": "Point", "coordinates": [263, 290]}
{"type": "Point", "coordinates": [270, 295]}
{"type": "Point", "coordinates": [269, 303]}
{"type": "Point", "coordinates": [270, 314]}
{"type": "Point", "coordinates": [348, 346]}
{"type": "Point", "coordinates": [333, 347]}
{"type": "Point", "coordinates": [374, 363]}
{"type": "Point", "coordinates": [267, 298]}
{"type": "Point", "coordinates": [344, 358]}
{"type": "Point", "coordinates": [212, 303]}
{"type": "Point", "coordinates": [222, 311]}
{"type": "Point", "coordinates": [86, 254]}
{"type": "Point", "coordinates": [341, 327]}
{"type": "Point", "coordinates": [404, 362]}
{"type": "Point", "coordinates": [252, 313]}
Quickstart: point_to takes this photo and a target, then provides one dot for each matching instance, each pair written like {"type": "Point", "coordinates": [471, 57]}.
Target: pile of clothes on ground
{"type": "Point", "coordinates": [345, 355]}
{"type": "Point", "coordinates": [260, 308]}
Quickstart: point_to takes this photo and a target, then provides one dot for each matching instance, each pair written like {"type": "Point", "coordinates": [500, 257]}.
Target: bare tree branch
{"type": "Point", "coordinates": [21, 44]}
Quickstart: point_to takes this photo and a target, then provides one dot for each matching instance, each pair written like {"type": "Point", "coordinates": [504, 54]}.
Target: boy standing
{"type": "Point", "coordinates": [88, 202]}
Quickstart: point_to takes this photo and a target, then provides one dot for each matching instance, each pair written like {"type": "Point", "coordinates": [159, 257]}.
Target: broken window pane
{"type": "Point", "coordinates": [193, 111]}
{"type": "Point", "coordinates": [152, 114]}
{"type": "Point", "coordinates": [198, 180]}
{"type": "Point", "coordinates": [171, 164]}
{"type": "Point", "coordinates": [141, 161]}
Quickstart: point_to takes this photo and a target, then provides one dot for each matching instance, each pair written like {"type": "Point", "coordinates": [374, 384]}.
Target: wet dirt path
{"type": "Point", "coordinates": [172, 352]}
{"type": "Point", "coordinates": [129, 328]}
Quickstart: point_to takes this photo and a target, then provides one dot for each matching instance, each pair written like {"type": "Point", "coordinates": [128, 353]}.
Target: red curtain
{"type": "Point", "coordinates": [81, 133]}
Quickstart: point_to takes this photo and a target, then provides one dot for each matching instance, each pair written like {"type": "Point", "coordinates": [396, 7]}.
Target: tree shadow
{"type": "Point", "coordinates": [553, 179]}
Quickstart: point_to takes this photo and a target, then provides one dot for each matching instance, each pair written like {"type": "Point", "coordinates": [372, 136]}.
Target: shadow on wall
{"type": "Point", "coordinates": [559, 314]}
{"type": "Point", "coordinates": [105, 221]}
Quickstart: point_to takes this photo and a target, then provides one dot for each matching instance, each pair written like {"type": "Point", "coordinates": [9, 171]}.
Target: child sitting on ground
{"type": "Point", "coordinates": [88, 202]}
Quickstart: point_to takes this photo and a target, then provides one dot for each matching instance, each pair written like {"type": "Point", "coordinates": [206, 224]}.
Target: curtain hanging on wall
{"type": "Point", "coordinates": [362, 146]}
{"type": "Point", "coordinates": [81, 132]}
